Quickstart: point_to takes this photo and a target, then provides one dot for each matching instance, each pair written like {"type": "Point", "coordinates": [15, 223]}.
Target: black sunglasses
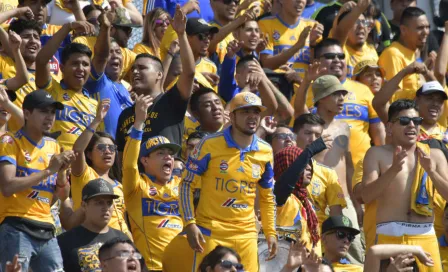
{"type": "Point", "coordinates": [228, 265]}
{"type": "Point", "coordinates": [228, 2]}
{"type": "Point", "coordinates": [126, 29]}
{"type": "Point", "coordinates": [341, 235]}
{"type": "Point", "coordinates": [102, 148]}
{"type": "Point", "coordinates": [332, 56]}
{"type": "Point", "coordinates": [404, 120]}
{"type": "Point", "coordinates": [284, 136]}
{"type": "Point", "coordinates": [204, 36]}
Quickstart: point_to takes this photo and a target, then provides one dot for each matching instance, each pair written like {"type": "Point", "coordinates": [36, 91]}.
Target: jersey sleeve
{"type": "Point", "coordinates": [334, 193]}
{"type": "Point", "coordinates": [197, 164]}
{"type": "Point", "coordinates": [50, 87]}
{"type": "Point", "coordinates": [131, 175]}
{"type": "Point", "coordinates": [267, 199]}
{"type": "Point", "coordinates": [269, 50]}
{"type": "Point", "coordinates": [393, 63]}
{"type": "Point", "coordinates": [96, 82]}
{"type": "Point", "coordinates": [8, 150]}
{"type": "Point", "coordinates": [373, 116]}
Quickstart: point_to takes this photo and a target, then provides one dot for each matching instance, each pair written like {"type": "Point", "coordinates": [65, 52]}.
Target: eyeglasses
{"type": "Point", "coordinates": [126, 255]}
{"type": "Point", "coordinates": [332, 56]}
{"type": "Point", "coordinates": [341, 235]}
{"type": "Point", "coordinates": [228, 265]}
{"type": "Point", "coordinates": [228, 2]}
{"type": "Point", "coordinates": [204, 36]}
{"type": "Point", "coordinates": [361, 22]}
{"type": "Point", "coordinates": [160, 22]}
{"type": "Point", "coordinates": [284, 136]}
{"type": "Point", "coordinates": [404, 120]}
{"type": "Point", "coordinates": [126, 29]}
{"type": "Point", "coordinates": [102, 148]}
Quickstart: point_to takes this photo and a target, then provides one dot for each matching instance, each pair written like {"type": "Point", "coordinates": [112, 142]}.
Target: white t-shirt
{"type": "Point", "coordinates": [59, 17]}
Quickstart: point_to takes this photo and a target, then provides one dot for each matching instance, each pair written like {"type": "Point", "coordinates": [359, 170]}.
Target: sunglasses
{"type": "Point", "coordinates": [404, 120]}
{"type": "Point", "coordinates": [362, 22]}
{"type": "Point", "coordinates": [160, 22]}
{"type": "Point", "coordinates": [204, 36]}
{"type": "Point", "coordinates": [126, 29]}
{"type": "Point", "coordinates": [228, 2]}
{"type": "Point", "coordinates": [342, 235]}
{"type": "Point", "coordinates": [228, 265]}
{"type": "Point", "coordinates": [284, 136]}
{"type": "Point", "coordinates": [332, 56]}
{"type": "Point", "coordinates": [126, 255]}
{"type": "Point", "coordinates": [102, 148]}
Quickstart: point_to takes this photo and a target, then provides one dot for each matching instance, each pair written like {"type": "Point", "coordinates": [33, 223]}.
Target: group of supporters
{"type": "Point", "coordinates": [283, 135]}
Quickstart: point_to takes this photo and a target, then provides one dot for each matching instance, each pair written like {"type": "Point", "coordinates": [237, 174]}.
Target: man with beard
{"type": "Point", "coordinates": [283, 32]}
{"type": "Point", "coordinates": [33, 175]}
{"type": "Point", "coordinates": [166, 115]}
{"type": "Point", "coordinates": [104, 81]}
{"type": "Point", "coordinates": [352, 32]}
{"type": "Point", "coordinates": [80, 108]}
{"type": "Point", "coordinates": [414, 32]}
{"type": "Point", "coordinates": [229, 167]}
{"type": "Point", "coordinates": [80, 245]}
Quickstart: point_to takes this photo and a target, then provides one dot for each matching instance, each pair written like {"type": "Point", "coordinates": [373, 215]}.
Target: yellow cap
{"type": "Point", "coordinates": [363, 64]}
{"type": "Point", "coordinates": [244, 100]}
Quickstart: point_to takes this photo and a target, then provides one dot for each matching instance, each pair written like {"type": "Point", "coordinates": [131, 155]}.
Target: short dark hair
{"type": "Point", "coordinates": [73, 48]}
{"type": "Point", "coordinates": [270, 137]}
{"type": "Point", "coordinates": [89, 8]}
{"type": "Point", "coordinates": [244, 60]}
{"type": "Point", "coordinates": [400, 105]}
{"type": "Point", "coordinates": [324, 44]}
{"type": "Point", "coordinates": [307, 119]}
{"type": "Point", "coordinates": [410, 13]}
{"type": "Point", "coordinates": [215, 256]}
{"type": "Point", "coordinates": [194, 100]}
{"type": "Point", "coordinates": [197, 135]}
{"type": "Point", "coordinates": [108, 245]}
{"type": "Point", "coordinates": [20, 25]}
{"type": "Point", "coordinates": [155, 59]}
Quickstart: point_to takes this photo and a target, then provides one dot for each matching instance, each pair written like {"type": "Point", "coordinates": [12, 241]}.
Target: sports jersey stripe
{"type": "Point", "coordinates": [46, 185]}
{"type": "Point", "coordinates": [74, 115]}
{"type": "Point", "coordinates": [302, 56]}
{"type": "Point", "coordinates": [185, 191]}
{"type": "Point", "coordinates": [374, 120]}
{"type": "Point", "coordinates": [8, 159]}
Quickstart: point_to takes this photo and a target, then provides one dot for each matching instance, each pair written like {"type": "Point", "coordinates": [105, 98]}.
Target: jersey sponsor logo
{"type": "Point", "coordinates": [151, 207]}
{"type": "Point", "coordinates": [165, 223]}
{"type": "Point", "coordinates": [35, 195]}
{"type": "Point", "coordinates": [27, 156]}
{"type": "Point", "coordinates": [54, 65]}
{"type": "Point", "coordinates": [276, 35]}
{"type": "Point", "coordinates": [230, 203]}
{"type": "Point", "coordinates": [7, 139]}
{"type": "Point", "coordinates": [66, 97]}
{"type": "Point", "coordinates": [223, 166]}
{"type": "Point", "coordinates": [75, 131]}
{"type": "Point", "coordinates": [256, 170]}
{"type": "Point", "coordinates": [74, 115]}
{"type": "Point", "coordinates": [152, 191]}
{"type": "Point", "coordinates": [235, 186]}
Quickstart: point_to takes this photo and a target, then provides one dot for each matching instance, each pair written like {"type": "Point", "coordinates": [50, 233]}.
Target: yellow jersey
{"type": "Point", "coordinates": [352, 56]}
{"type": "Point", "coordinates": [141, 48]}
{"type": "Point", "coordinates": [128, 55]}
{"type": "Point", "coordinates": [79, 111]}
{"type": "Point", "coordinates": [347, 267]}
{"type": "Point", "coordinates": [29, 157]}
{"type": "Point", "coordinates": [443, 248]}
{"type": "Point", "coordinates": [325, 190]}
{"type": "Point", "coordinates": [153, 209]}
{"type": "Point", "coordinates": [190, 126]}
{"type": "Point", "coordinates": [282, 36]}
{"type": "Point", "coordinates": [201, 66]}
{"type": "Point", "coordinates": [204, 65]}
{"type": "Point", "coordinates": [117, 220]}
{"type": "Point", "coordinates": [358, 113]}
{"type": "Point", "coordinates": [221, 49]}
{"type": "Point", "coordinates": [394, 59]}
{"type": "Point", "coordinates": [228, 177]}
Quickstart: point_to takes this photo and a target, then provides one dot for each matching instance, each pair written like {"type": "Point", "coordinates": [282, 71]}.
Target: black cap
{"type": "Point", "coordinates": [338, 222]}
{"type": "Point", "coordinates": [11, 95]}
{"type": "Point", "coordinates": [198, 25]}
{"type": "Point", "coordinates": [40, 99]}
{"type": "Point", "coordinates": [98, 187]}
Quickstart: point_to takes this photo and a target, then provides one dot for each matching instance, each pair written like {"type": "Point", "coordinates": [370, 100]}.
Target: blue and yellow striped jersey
{"type": "Point", "coordinates": [282, 36]}
{"type": "Point", "coordinates": [228, 177]}
{"type": "Point", "coordinates": [29, 157]}
{"type": "Point", "coordinates": [153, 209]}
{"type": "Point", "coordinates": [79, 111]}
{"type": "Point", "coordinates": [358, 112]}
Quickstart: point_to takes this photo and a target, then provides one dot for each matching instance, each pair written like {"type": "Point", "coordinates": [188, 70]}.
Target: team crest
{"type": "Point", "coordinates": [27, 156]}
{"type": "Point", "coordinates": [345, 221]}
{"type": "Point", "coordinates": [7, 139]}
{"type": "Point", "coordinates": [152, 191]}
{"type": "Point", "coordinates": [66, 97]}
{"type": "Point", "coordinates": [176, 190]}
{"type": "Point", "coordinates": [250, 98]}
{"type": "Point", "coordinates": [223, 166]}
{"type": "Point", "coordinates": [256, 169]}
{"type": "Point", "coordinates": [276, 35]}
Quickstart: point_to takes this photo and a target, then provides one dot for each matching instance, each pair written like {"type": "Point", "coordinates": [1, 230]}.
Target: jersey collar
{"type": "Point", "coordinates": [42, 142]}
{"type": "Point", "coordinates": [231, 143]}
{"type": "Point", "coordinates": [287, 25]}
{"type": "Point", "coordinates": [241, 54]}
{"type": "Point", "coordinates": [65, 87]}
{"type": "Point", "coordinates": [153, 178]}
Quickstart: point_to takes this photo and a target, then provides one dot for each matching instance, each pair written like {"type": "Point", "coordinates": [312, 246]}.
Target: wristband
{"type": "Point", "coordinates": [90, 129]}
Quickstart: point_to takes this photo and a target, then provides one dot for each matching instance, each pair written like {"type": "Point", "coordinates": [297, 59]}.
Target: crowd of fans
{"type": "Point", "coordinates": [238, 135]}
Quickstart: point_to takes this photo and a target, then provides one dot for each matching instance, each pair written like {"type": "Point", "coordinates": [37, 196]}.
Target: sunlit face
{"type": "Point", "coordinates": [40, 120]}
{"type": "Point", "coordinates": [199, 43]}
{"type": "Point", "coordinates": [161, 25]}
{"type": "Point", "coordinates": [113, 262]}
{"type": "Point", "coordinates": [103, 154]}
{"type": "Point", "coordinates": [308, 134]}
{"type": "Point", "coordinates": [159, 163]}
{"type": "Point", "coordinates": [115, 63]}
{"type": "Point", "coordinates": [357, 35]}
{"type": "Point", "coordinates": [333, 103]}
{"type": "Point", "coordinates": [249, 35]}
{"type": "Point", "coordinates": [220, 268]}
{"type": "Point", "coordinates": [39, 9]}
{"type": "Point", "coordinates": [430, 107]}
{"type": "Point", "coordinates": [225, 10]}
{"type": "Point", "coordinates": [335, 65]}
{"type": "Point", "coordinates": [30, 45]}
{"type": "Point", "coordinates": [122, 34]}
{"type": "Point", "coordinates": [404, 135]}
{"type": "Point", "coordinates": [307, 175]}
{"type": "Point", "coordinates": [282, 137]}
{"type": "Point", "coordinates": [293, 8]}
{"type": "Point", "coordinates": [372, 78]}
{"type": "Point", "coordinates": [336, 245]}
{"type": "Point", "coordinates": [76, 70]}
{"type": "Point", "coordinates": [246, 120]}
{"type": "Point", "coordinates": [98, 210]}
{"type": "Point", "coordinates": [145, 75]}
{"type": "Point", "coordinates": [416, 31]}
{"type": "Point", "coordinates": [210, 111]}
{"type": "Point", "coordinates": [92, 18]}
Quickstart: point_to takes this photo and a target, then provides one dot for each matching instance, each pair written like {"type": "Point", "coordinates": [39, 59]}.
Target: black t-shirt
{"type": "Point", "coordinates": [79, 248]}
{"type": "Point", "coordinates": [165, 118]}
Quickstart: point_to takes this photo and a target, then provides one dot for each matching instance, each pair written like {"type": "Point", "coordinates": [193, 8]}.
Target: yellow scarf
{"type": "Point", "coordinates": [422, 201]}
{"type": "Point", "coordinates": [60, 4]}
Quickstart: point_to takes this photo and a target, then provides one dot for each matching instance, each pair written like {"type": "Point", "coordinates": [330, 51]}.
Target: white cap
{"type": "Point", "coordinates": [431, 87]}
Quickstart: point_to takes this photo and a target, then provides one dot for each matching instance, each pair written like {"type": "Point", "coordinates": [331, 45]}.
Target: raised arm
{"type": "Point", "coordinates": [275, 61]}
{"type": "Point", "coordinates": [227, 87]}
{"type": "Point", "coordinates": [172, 51]}
{"type": "Point", "coordinates": [83, 140]}
{"type": "Point", "coordinates": [75, 8]}
{"type": "Point", "coordinates": [102, 45]}
{"type": "Point", "coordinates": [136, 16]}
{"type": "Point", "coordinates": [51, 47]}
{"type": "Point", "coordinates": [381, 99]}
{"type": "Point", "coordinates": [436, 166]}
{"type": "Point", "coordinates": [442, 58]}
{"type": "Point", "coordinates": [344, 26]}
{"type": "Point", "coordinates": [25, 12]}
{"type": "Point", "coordinates": [21, 77]}
{"type": "Point", "coordinates": [257, 79]}
{"type": "Point", "coordinates": [69, 217]}
{"type": "Point", "coordinates": [186, 78]}
{"type": "Point", "coordinates": [16, 112]}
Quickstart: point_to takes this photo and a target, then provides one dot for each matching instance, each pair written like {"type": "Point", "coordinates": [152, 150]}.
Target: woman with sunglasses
{"type": "Point", "coordinates": [156, 23]}
{"type": "Point", "coordinates": [97, 157]}
{"type": "Point", "coordinates": [221, 259]}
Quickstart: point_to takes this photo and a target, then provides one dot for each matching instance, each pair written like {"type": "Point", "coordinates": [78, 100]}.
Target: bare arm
{"type": "Point", "coordinates": [62, 185]}
{"type": "Point", "coordinates": [69, 217]}
{"type": "Point", "coordinates": [136, 16]}
{"type": "Point", "coordinates": [102, 45]}
{"type": "Point", "coordinates": [185, 82]}
{"type": "Point", "coordinates": [442, 58]}
{"type": "Point", "coordinates": [172, 51]}
{"type": "Point", "coordinates": [10, 184]}
{"type": "Point", "coordinates": [21, 77]}
{"type": "Point", "coordinates": [377, 132]}
{"type": "Point", "coordinates": [76, 9]}
{"type": "Point", "coordinates": [342, 29]}
{"type": "Point", "coordinates": [16, 112]}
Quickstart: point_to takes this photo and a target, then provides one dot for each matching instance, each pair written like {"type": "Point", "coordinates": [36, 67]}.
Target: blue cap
{"type": "Point", "coordinates": [157, 142]}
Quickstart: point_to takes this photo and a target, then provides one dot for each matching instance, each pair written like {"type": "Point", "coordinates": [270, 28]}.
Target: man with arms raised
{"type": "Point", "coordinates": [403, 177]}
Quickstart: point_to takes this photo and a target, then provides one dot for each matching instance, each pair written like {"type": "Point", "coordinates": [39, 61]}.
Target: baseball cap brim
{"type": "Point", "coordinates": [419, 93]}
{"type": "Point", "coordinates": [262, 108]}
{"type": "Point", "coordinates": [114, 196]}
{"type": "Point", "coordinates": [383, 73]}
{"type": "Point", "coordinates": [174, 147]}
{"type": "Point", "coordinates": [352, 230]}
{"type": "Point", "coordinates": [55, 104]}
{"type": "Point", "coordinates": [204, 29]}
{"type": "Point", "coordinates": [329, 91]}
